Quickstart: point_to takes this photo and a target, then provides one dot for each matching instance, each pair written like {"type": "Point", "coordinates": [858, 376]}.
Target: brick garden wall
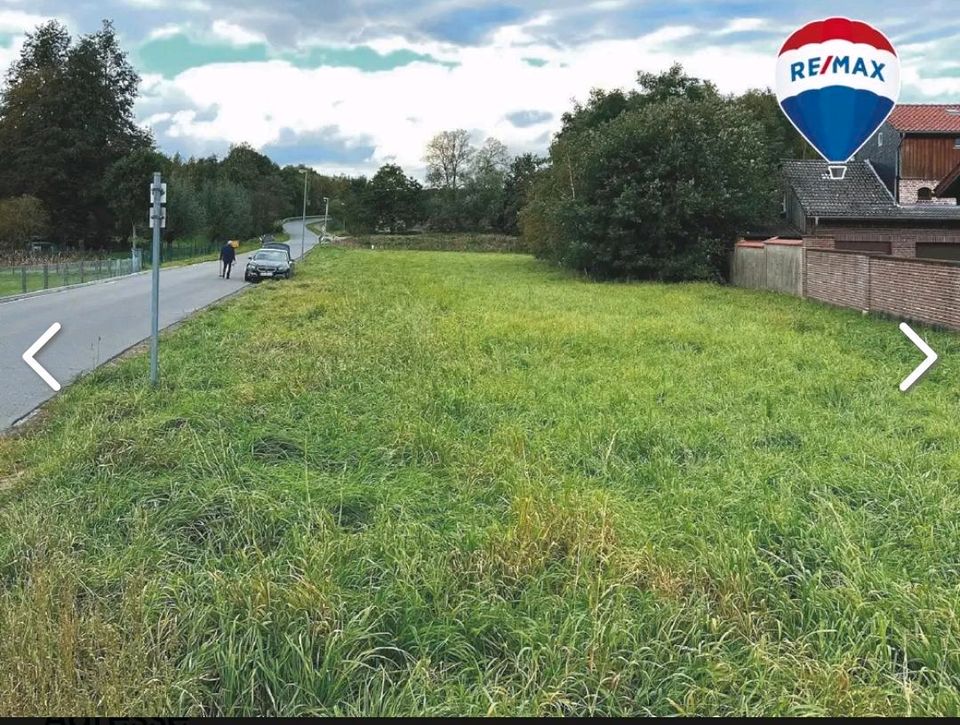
{"type": "Point", "coordinates": [914, 289]}
{"type": "Point", "coordinates": [921, 290]}
{"type": "Point", "coordinates": [840, 278]}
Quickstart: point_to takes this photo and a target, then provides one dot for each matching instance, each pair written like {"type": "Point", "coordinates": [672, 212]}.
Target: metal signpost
{"type": "Point", "coordinates": [158, 220]}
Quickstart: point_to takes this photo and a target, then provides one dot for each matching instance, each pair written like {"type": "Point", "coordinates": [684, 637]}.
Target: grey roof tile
{"type": "Point", "coordinates": [860, 195]}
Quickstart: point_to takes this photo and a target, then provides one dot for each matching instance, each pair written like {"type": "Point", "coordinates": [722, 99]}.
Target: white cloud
{"type": "Point", "coordinates": [17, 21]}
{"type": "Point", "coordinates": [741, 25]}
{"type": "Point", "coordinates": [234, 34]}
{"type": "Point", "coordinates": [397, 111]}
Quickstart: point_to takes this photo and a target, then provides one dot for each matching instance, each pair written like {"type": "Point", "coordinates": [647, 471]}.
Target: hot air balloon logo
{"type": "Point", "coordinates": [837, 81]}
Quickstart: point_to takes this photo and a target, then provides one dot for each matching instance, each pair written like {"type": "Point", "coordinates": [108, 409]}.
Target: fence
{"type": "Point", "coordinates": [26, 278]}
{"type": "Point", "coordinates": [181, 250]}
{"type": "Point", "coordinates": [776, 264]}
{"type": "Point", "coordinates": [922, 290]}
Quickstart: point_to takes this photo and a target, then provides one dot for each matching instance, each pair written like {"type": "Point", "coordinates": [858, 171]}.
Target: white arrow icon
{"type": "Point", "coordinates": [924, 367]}
{"type": "Point", "coordinates": [35, 348]}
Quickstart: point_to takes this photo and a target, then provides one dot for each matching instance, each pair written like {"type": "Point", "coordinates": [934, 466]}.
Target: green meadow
{"type": "Point", "coordinates": [413, 482]}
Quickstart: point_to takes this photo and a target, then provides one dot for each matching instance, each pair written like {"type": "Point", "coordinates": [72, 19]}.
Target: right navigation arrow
{"type": "Point", "coordinates": [924, 367]}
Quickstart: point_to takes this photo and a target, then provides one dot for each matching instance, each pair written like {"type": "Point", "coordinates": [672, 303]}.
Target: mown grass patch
{"type": "Point", "coordinates": [441, 483]}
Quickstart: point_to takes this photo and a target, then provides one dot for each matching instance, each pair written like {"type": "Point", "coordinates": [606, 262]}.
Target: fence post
{"type": "Point", "coordinates": [66, 273]}
{"type": "Point", "coordinates": [81, 271]}
{"type": "Point", "coordinates": [23, 279]}
{"type": "Point", "coordinates": [46, 275]}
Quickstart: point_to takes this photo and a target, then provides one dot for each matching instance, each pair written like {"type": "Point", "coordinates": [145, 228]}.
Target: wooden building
{"type": "Point", "coordinates": [915, 151]}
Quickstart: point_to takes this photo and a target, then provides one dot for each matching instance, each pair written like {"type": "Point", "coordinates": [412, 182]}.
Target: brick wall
{"type": "Point", "coordinates": [839, 278]}
{"type": "Point", "coordinates": [903, 240]}
{"type": "Point", "coordinates": [925, 291]}
{"type": "Point", "coordinates": [910, 187]}
{"type": "Point", "coordinates": [913, 289]}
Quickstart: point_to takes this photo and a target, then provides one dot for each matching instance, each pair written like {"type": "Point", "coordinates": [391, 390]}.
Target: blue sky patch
{"type": "Point", "coordinates": [524, 119]}
{"type": "Point", "coordinates": [473, 24]}
{"type": "Point", "coordinates": [173, 55]}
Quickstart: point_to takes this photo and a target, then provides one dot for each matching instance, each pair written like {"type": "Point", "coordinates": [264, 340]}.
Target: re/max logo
{"type": "Point", "coordinates": [835, 64]}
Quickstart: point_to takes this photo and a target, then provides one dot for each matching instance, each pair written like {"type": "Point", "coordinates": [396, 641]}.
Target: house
{"type": "Point", "coordinates": [915, 151]}
{"type": "Point", "coordinates": [859, 213]}
{"type": "Point", "coordinates": [859, 248]}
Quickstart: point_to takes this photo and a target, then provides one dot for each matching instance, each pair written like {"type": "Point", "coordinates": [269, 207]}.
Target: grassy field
{"type": "Point", "coordinates": [459, 483]}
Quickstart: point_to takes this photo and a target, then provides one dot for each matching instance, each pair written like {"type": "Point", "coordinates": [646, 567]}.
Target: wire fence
{"type": "Point", "coordinates": [181, 249]}
{"type": "Point", "coordinates": [21, 279]}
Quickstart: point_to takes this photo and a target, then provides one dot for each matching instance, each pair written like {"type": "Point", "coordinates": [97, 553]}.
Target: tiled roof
{"type": "Point", "coordinates": [926, 118]}
{"type": "Point", "coordinates": [860, 195]}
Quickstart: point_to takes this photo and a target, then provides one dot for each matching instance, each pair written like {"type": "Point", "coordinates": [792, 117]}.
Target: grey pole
{"type": "Point", "coordinates": [303, 230]}
{"type": "Point", "coordinates": [157, 216]}
{"type": "Point", "coordinates": [326, 213]}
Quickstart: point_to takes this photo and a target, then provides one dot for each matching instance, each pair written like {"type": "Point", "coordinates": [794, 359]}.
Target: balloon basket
{"type": "Point", "coordinates": [837, 172]}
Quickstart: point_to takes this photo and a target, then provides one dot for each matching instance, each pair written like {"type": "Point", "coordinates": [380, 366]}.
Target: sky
{"type": "Point", "coordinates": [348, 85]}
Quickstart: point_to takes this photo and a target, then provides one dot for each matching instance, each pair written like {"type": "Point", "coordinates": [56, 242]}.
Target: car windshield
{"type": "Point", "coordinates": [273, 255]}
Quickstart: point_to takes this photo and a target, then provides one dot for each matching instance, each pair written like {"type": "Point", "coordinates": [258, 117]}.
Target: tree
{"type": "Point", "coordinates": [66, 116]}
{"type": "Point", "coordinates": [657, 190]}
{"type": "Point", "coordinates": [783, 140]}
{"type": "Point", "coordinates": [186, 216]}
{"type": "Point", "coordinates": [519, 181]}
{"type": "Point", "coordinates": [125, 186]}
{"type": "Point", "coordinates": [447, 156]}
{"type": "Point", "coordinates": [21, 219]}
{"type": "Point", "coordinates": [396, 199]}
{"type": "Point", "coordinates": [484, 186]}
{"type": "Point", "coordinates": [359, 214]}
{"type": "Point", "coordinates": [226, 208]}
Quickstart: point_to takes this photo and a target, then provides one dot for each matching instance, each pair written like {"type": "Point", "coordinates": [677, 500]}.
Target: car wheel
{"type": "Point", "coordinates": [247, 278]}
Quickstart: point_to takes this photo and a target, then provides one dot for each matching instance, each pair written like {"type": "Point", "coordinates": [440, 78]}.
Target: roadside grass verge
{"type": "Point", "coordinates": [435, 483]}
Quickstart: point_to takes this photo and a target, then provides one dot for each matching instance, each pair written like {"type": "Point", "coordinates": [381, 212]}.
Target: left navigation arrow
{"type": "Point", "coordinates": [35, 348]}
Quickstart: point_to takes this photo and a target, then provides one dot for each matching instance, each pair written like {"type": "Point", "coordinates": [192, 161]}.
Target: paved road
{"type": "Point", "coordinates": [101, 321]}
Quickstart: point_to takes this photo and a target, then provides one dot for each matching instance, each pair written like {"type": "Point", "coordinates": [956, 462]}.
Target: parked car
{"type": "Point", "coordinates": [268, 263]}
{"type": "Point", "coordinates": [279, 245]}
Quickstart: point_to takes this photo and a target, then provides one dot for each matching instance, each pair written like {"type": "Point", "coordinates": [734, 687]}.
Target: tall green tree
{"type": "Point", "coordinates": [448, 155]}
{"type": "Point", "coordinates": [125, 186]}
{"type": "Point", "coordinates": [66, 116]}
{"type": "Point", "coordinates": [226, 207]}
{"type": "Point", "coordinates": [395, 198]}
{"type": "Point", "coordinates": [186, 215]}
{"type": "Point", "coordinates": [517, 186]}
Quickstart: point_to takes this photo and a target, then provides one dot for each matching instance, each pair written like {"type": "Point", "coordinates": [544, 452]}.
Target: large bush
{"type": "Point", "coordinates": [654, 185]}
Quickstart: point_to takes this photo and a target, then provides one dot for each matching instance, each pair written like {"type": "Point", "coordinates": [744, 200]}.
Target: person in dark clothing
{"type": "Point", "coordinates": [227, 257]}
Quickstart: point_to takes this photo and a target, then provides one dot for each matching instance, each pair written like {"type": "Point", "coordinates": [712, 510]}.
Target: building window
{"type": "Point", "coordinates": [924, 193]}
{"type": "Point", "coordinates": [956, 143]}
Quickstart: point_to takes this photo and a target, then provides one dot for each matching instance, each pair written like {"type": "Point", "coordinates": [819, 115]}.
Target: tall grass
{"type": "Point", "coordinates": [434, 483]}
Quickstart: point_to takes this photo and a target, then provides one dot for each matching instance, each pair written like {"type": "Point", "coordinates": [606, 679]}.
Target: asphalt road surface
{"type": "Point", "coordinates": [101, 321]}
